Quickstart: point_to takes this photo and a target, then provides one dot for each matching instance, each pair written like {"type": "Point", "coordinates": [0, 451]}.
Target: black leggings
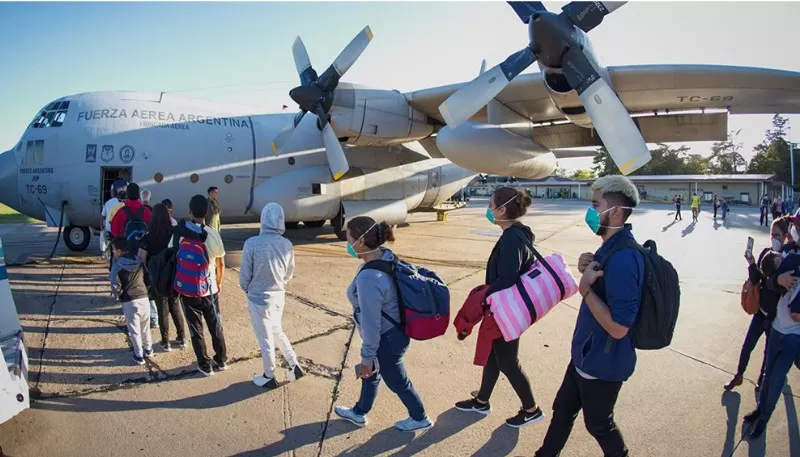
{"type": "Point", "coordinates": [505, 358]}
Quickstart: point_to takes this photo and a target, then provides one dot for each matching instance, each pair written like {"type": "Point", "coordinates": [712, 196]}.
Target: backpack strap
{"type": "Point", "coordinates": [387, 267]}
{"type": "Point", "coordinates": [127, 211]}
{"type": "Point", "coordinates": [625, 244]}
{"type": "Point", "coordinates": [140, 212]}
{"type": "Point", "coordinates": [546, 265]}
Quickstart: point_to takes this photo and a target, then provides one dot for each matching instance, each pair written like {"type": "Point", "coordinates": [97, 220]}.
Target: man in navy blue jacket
{"type": "Point", "coordinates": [603, 356]}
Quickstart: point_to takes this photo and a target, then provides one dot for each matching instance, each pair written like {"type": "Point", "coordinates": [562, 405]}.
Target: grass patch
{"type": "Point", "coordinates": [9, 216]}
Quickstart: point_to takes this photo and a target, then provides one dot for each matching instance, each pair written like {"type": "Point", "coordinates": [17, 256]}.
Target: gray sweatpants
{"type": "Point", "coordinates": [137, 318]}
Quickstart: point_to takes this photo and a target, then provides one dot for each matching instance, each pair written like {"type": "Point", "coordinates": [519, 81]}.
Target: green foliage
{"type": "Point", "coordinates": [772, 155]}
{"type": "Point", "coordinates": [666, 161]}
{"type": "Point", "coordinates": [726, 157]}
{"type": "Point", "coordinates": [582, 174]}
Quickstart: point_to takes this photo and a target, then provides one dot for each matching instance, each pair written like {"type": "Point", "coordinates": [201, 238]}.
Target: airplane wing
{"type": "Point", "coordinates": [644, 89]}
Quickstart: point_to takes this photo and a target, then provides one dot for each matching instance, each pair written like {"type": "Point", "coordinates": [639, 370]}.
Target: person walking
{"type": "Point", "coordinates": [373, 296]}
{"type": "Point", "coordinates": [267, 265]}
{"type": "Point", "coordinates": [214, 211]}
{"type": "Point", "coordinates": [511, 257]}
{"type": "Point", "coordinates": [678, 216]}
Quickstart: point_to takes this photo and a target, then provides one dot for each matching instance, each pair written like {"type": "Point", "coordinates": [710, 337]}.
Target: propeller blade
{"type": "Point", "coordinates": [588, 15]}
{"type": "Point", "coordinates": [337, 161]}
{"type": "Point", "coordinates": [346, 59]}
{"type": "Point", "coordinates": [525, 9]}
{"type": "Point", "coordinates": [609, 116]}
{"type": "Point", "coordinates": [303, 63]}
{"type": "Point", "coordinates": [286, 135]}
{"type": "Point", "coordinates": [468, 100]}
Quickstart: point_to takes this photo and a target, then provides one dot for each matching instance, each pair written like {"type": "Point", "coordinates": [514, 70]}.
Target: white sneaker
{"type": "Point", "coordinates": [411, 425]}
{"type": "Point", "coordinates": [348, 414]}
{"type": "Point", "coordinates": [263, 381]}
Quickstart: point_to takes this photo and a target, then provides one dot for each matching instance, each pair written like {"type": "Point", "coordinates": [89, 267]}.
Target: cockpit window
{"type": "Point", "coordinates": [53, 115]}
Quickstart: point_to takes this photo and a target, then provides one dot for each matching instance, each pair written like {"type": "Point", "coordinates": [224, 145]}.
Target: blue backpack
{"type": "Point", "coordinates": [423, 297]}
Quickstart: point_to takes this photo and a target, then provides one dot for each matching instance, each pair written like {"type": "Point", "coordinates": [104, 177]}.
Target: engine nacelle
{"type": "Point", "coordinates": [486, 148]}
{"type": "Point", "coordinates": [565, 97]}
{"type": "Point", "coordinates": [376, 117]}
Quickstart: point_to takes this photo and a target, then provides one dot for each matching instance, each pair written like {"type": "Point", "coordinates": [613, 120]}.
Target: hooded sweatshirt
{"type": "Point", "coordinates": [127, 279]}
{"type": "Point", "coordinates": [371, 292]}
{"type": "Point", "coordinates": [267, 260]}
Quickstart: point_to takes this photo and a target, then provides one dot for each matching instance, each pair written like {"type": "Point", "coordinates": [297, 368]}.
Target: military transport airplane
{"type": "Point", "coordinates": [404, 152]}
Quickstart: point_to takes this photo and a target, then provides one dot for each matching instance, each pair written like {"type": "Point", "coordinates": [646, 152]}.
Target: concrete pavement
{"type": "Point", "coordinates": [674, 404]}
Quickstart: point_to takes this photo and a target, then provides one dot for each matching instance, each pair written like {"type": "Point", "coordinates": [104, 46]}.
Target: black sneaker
{"type": "Point", "coordinates": [753, 415]}
{"type": "Point", "coordinates": [758, 429]}
{"type": "Point", "coordinates": [221, 366]}
{"type": "Point", "coordinates": [180, 343]}
{"type": "Point", "coordinates": [165, 346]}
{"type": "Point", "coordinates": [524, 418]}
{"type": "Point", "coordinates": [474, 405]}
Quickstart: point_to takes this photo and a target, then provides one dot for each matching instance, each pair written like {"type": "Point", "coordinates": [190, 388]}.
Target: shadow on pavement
{"type": "Point", "coordinates": [731, 401]}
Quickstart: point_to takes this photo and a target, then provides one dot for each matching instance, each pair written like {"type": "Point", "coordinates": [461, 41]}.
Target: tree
{"type": "Point", "coordinates": [560, 171]}
{"type": "Point", "coordinates": [726, 156]}
{"type": "Point", "coordinates": [696, 164]}
{"type": "Point", "coordinates": [579, 175]}
{"type": "Point", "coordinates": [665, 161]}
{"type": "Point", "coordinates": [772, 155]}
{"type": "Point", "coordinates": [603, 163]}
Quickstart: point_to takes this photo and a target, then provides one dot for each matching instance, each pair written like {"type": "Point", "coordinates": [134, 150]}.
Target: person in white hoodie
{"type": "Point", "coordinates": [267, 265]}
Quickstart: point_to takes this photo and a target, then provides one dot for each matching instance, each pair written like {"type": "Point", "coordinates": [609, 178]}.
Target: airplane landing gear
{"type": "Point", "coordinates": [338, 225]}
{"type": "Point", "coordinates": [313, 224]}
{"type": "Point", "coordinates": [77, 238]}
{"type": "Point", "coordinates": [291, 225]}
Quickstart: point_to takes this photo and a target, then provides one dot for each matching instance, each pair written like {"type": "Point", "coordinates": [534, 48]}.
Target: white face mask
{"type": "Point", "coordinates": [776, 245]}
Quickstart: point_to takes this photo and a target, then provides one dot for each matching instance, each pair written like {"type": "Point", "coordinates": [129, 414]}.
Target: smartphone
{"type": "Point", "coordinates": [749, 251]}
{"type": "Point", "coordinates": [358, 370]}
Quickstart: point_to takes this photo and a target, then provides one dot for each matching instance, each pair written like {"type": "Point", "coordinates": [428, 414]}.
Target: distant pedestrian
{"type": "Point", "coordinates": [724, 206]}
{"type": "Point", "coordinates": [168, 204]}
{"type": "Point", "coordinates": [267, 265]}
{"type": "Point", "coordinates": [695, 206]}
{"type": "Point", "coordinates": [677, 201]}
{"type": "Point", "coordinates": [127, 284]}
{"type": "Point", "coordinates": [214, 211]}
{"type": "Point", "coordinates": [146, 199]}
{"type": "Point", "coordinates": [765, 211]}
{"type": "Point", "coordinates": [716, 204]}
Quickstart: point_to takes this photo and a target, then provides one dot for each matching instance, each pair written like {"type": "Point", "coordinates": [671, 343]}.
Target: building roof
{"type": "Point", "coordinates": [703, 178]}
{"type": "Point", "coordinates": [553, 179]}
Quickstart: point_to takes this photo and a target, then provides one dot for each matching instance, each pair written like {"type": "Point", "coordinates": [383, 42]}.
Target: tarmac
{"type": "Point", "coordinates": [91, 400]}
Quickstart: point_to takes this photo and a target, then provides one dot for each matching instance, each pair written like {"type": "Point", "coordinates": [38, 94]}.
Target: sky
{"type": "Point", "coordinates": [241, 52]}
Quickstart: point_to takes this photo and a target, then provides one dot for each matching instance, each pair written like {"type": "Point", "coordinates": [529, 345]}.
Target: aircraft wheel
{"type": "Point", "coordinates": [292, 225]}
{"type": "Point", "coordinates": [338, 225]}
{"type": "Point", "coordinates": [314, 224]}
{"type": "Point", "coordinates": [77, 238]}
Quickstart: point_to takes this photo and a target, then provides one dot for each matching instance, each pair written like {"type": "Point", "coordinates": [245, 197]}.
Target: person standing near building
{"type": "Point", "coordinates": [677, 201]}
{"type": "Point", "coordinates": [695, 206]}
{"type": "Point", "coordinates": [765, 211]}
{"type": "Point", "coordinates": [214, 211]}
{"type": "Point", "coordinates": [716, 204]}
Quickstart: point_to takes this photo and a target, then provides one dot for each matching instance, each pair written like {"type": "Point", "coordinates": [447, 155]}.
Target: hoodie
{"type": "Point", "coordinates": [127, 279]}
{"type": "Point", "coordinates": [267, 260]}
{"type": "Point", "coordinates": [371, 293]}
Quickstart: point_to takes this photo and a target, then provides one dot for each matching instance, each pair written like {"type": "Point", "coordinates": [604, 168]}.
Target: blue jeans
{"type": "Point", "coordinates": [782, 351]}
{"type": "Point", "coordinates": [391, 349]}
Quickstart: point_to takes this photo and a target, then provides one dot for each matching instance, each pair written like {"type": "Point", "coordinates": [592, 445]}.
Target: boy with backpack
{"type": "Point", "coordinates": [199, 267]}
{"type": "Point", "coordinates": [127, 284]}
{"type": "Point", "coordinates": [621, 311]}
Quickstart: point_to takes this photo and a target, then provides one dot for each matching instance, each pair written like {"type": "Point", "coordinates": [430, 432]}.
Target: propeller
{"type": "Point", "coordinates": [558, 41]}
{"type": "Point", "coordinates": [315, 94]}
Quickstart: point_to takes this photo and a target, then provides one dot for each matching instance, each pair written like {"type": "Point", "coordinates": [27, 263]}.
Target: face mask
{"type": "Point", "coordinates": [490, 213]}
{"type": "Point", "coordinates": [352, 251]}
{"type": "Point", "coordinates": [776, 245]}
{"type": "Point", "coordinates": [593, 218]}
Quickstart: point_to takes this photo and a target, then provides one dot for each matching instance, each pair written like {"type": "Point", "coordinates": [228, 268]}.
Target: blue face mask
{"type": "Point", "coordinates": [352, 251]}
{"type": "Point", "coordinates": [593, 218]}
{"type": "Point", "coordinates": [490, 213]}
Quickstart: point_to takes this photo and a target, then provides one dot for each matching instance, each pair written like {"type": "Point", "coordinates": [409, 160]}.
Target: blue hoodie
{"type": "Point", "coordinates": [594, 351]}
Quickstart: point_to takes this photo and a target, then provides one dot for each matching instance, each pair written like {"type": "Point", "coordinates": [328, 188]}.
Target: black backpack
{"type": "Point", "coordinates": [135, 228]}
{"type": "Point", "coordinates": [161, 269]}
{"type": "Point", "coordinates": [661, 297]}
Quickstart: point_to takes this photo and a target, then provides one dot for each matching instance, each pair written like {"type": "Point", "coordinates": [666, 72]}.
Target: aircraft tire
{"type": "Point", "coordinates": [77, 238]}
{"type": "Point", "coordinates": [292, 225]}
{"type": "Point", "coordinates": [338, 224]}
{"type": "Point", "coordinates": [313, 224]}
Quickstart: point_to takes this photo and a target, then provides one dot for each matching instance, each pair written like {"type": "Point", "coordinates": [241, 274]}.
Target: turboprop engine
{"type": "Point", "coordinates": [471, 143]}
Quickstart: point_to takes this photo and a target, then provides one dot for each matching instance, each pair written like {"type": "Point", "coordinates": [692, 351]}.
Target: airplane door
{"type": "Point", "coordinates": [107, 176]}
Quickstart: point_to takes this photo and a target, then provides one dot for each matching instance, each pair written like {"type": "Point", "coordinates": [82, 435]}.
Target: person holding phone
{"type": "Point", "coordinates": [373, 295]}
{"type": "Point", "coordinates": [768, 302]}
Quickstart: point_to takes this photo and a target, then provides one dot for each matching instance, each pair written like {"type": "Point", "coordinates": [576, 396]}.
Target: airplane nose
{"type": "Point", "coordinates": [9, 194]}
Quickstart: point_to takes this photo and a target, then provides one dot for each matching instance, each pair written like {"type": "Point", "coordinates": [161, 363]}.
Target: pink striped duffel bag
{"type": "Point", "coordinates": [540, 289]}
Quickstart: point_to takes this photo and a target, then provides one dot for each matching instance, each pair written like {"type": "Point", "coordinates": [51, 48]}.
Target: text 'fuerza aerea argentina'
{"type": "Point", "coordinates": [161, 116]}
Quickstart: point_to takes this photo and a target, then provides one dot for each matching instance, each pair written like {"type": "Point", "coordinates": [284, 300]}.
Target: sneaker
{"type": "Point", "coordinates": [206, 371]}
{"type": "Point", "coordinates": [138, 360]}
{"type": "Point", "coordinates": [180, 343]}
{"type": "Point", "coordinates": [296, 373]}
{"type": "Point", "coordinates": [149, 353]}
{"type": "Point", "coordinates": [524, 418]}
{"type": "Point", "coordinates": [753, 415]}
{"type": "Point", "coordinates": [265, 382]}
{"type": "Point", "coordinates": [474, 405]}
{"type": "Point", "coordinates": [165, 346]}
{"type": "Point", "coordinates": [359, 420]}
{"type": "Point", "coordinates": [411, 425]}
{"type": "Point", "coordinates": [758, 429]}
{"type": "Point", "coordinates": [221, 366]}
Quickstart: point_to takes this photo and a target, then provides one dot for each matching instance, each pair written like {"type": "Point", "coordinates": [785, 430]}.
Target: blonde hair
{"type": "Point", "coordinates": [617, 184]}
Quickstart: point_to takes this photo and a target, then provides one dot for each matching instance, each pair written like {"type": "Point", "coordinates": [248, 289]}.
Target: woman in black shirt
{"type": "Point", "coordinates": [153, 242]}
{"type": "Point", "coordinates": [511, 257]}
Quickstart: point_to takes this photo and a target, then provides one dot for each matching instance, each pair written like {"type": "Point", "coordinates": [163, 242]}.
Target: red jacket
{"type": "Point", "coordinates": [120, 218]}
{"type": "Point", "coordinates": [470, 314]}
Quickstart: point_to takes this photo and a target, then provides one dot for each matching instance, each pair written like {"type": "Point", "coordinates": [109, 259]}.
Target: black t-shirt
{"type": "Point", "coordinates": [510, 257]}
